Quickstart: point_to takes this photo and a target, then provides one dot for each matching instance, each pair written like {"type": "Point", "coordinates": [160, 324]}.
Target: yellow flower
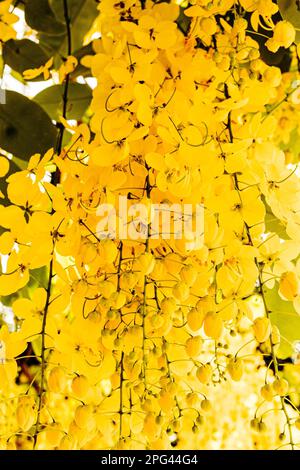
{"type": "Point", "coordinates": [68, 66]}
{"type": "Point", "coordinates": [4, 166]}
{"type": "Point", "coordinates": [43, 69]}
{"type": "Point", "coordinates": [283, 36]}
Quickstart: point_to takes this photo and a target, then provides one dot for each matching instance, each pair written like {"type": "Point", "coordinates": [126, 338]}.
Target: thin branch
{"type": "Point", "coordinates": [60, 125]}
{"type": "Point", "coordinates": [55, 181]}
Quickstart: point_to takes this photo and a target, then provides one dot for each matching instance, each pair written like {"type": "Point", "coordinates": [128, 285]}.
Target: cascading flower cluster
{"type": "Point", "coordinates": [133, 341]}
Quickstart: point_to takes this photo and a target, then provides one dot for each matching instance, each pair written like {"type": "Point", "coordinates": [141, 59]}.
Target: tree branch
{"type": "Point", "coordinates": [55, 181]}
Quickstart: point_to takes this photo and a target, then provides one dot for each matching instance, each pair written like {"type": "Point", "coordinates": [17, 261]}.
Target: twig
{"type": "Point", "coordinates": [55, 181]}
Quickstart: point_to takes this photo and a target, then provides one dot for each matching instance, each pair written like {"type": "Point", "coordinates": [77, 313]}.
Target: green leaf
{"type": "Point", "coordinates": [38, 278]}
{"type": "Point", "coordinates": [293, 146]}
{"type": "Point", "coordinates": [23, 54]}
{"type": "Point", "coordinates": [40, 16]}
{"type": "Point", "coordinates": [284, 316]}
{"type": "Point", "coordinates": [51, 100]}
{"type": "Point", "coordinates": [53, 44]}
{"type": "Point", "coordinates": [273, 224]}
{"type": "Point", "coordinates": [18, 76]}
{"type": "Point", "coordinates": [22, 164]}
{"type": "Point", "coordinates": [67, 138]}
{"type": "Point", "coordinates": [25, 128]}
{"type": "Point", "coordinates": [290, 11]}
{"type": "Point", "coordinates": [36, 344]}
{"type": "Point", "coordinates": [183, 22]}
{"type": "Point", "coordinates": [82, 14]}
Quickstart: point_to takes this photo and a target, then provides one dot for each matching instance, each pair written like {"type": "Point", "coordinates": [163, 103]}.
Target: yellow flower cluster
{"type": "Point", "coordinates": [141, 343]}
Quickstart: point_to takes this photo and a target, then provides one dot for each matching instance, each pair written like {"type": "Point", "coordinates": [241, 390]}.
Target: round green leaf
{"type": "Point", "coordinates": [23, 54]}
{"type": "Point", "coordinates": [40, 16]}
{"type": "Point", "coordinates": [51, 99]}
{"type": "Point", "coordinates": [25, 128]}
{"type": "Point", "coordinates": [82, 14]}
